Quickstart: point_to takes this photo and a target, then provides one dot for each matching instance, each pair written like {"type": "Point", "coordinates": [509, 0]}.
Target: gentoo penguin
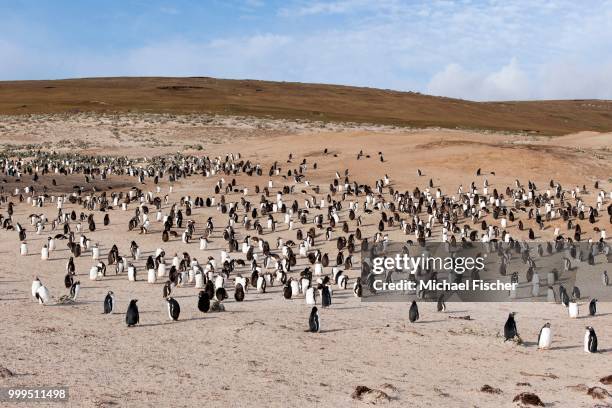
{"type": "Point", "coordinates": [604, 278]}
{"type": "Point", "coordinates": [221, 294]}
{"type": "Point", "coordinates": [36, 283]}
{"type": "Point", "coordinates": [42, 294]}
{"type": "Point", "coordinates": [261, 284]}
{"type": "Point", "coordinates": [357, 289]}
{"type": "Point", "coordinates": [75, 289]}
{"type": "Point", "coordinates": [326, 298]}
{"type": "Point", "coordinates": [239, 293]}
{"type": "Point", "coordinates": [413, 314]}
{"type": "Point", "coordinates": [132, 317]}
{"type": "Point", "coordinates": [109, 302]}
{"type": "Point", "coordinates": [314, 322]}
{"type": "Point", "coordinates": [576, 292]}
{"type": "Point", "coordinates": [311, 297]}
{"type": "Point", "coordinates": [545, 337]}
{"type": "Point", "coordinates": [203, 302]}
{"type": "Point", "coordinates": [167, 289]}
{"type": "Point", "coordinates": [593, 307]}
{"type": "Point", "coordinates": [174, 310]}
{"type": "Point", "coordinates": [510, 331]}
{"type": "Point", "coordinates": [573, 309]}
{"type": "Point", "coordinates": [441, 304]}
{"type": "Point", "coordinates": [590, 340]}
{"type": "Point", "coordinates": [287, 292]}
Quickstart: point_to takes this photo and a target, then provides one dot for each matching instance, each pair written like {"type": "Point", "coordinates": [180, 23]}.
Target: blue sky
{"type": "Point", "coordinates": [481, 50]}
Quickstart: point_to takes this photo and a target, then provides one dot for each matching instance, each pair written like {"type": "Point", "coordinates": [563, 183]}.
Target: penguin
{"type": "Point", "coordinates": [545, 337]}
{"type": "Point", "coordinates": [75, 289]}
{"type": "Point", "coordinates": [221, 294]}
{"type": "Point", "coordinates": [576, 292]}
{"type": "Point", "coordinates": [167, 290]}
{"type": "Point", "coordinates": [36, 283]}
{"type": "Point", "coordinates": [441, 303]}
{"type": "Point", "coordinates": [604, 278]}
{"type": "Point", "coordinates": [413, 313]}
{"type": "Point", "coordinates": [261, 284]}
{"type": "Point", "coordinates": [593, 307]}
{"type": "Point", "coordinates": [357, 289]}
{"type": "Point", "coordinates": [314, 321]}
{"type": "Point", "coordinates": [203, 302]}
{"type": "Point", "coordinates": [287, 292]}
{"type": "Point", "coordinates": [174, 310]}
{"type": "Point", "coordinates": [109, 302]}
{"type": "Point", "coordinates": [326, 299]}
{"type": "Point", "coordinates": [590, 340]}
{"type": "Point", "coordinates": [239, 293]}
{"type": "Point", "coordinates": [132, 317]}
{"type": "Point", "coordinates": [311, 297]}
{"type": "Point", "coordinates": [42, 294]}
{"type": "Point", "coordinates": [510, 331]}
{"type": "Point", "coordinates": [564, 296]}
{"type": "Point", "coordinates": [573, 309]}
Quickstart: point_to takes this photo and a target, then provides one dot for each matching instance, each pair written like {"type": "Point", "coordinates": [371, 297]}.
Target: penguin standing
{"type": "Point", "coordinates": [36, 283]}
{"type": "Point", "coordinates": [326, 299]}
{"type": "Point", "coordinates": [413, 314]}
{"type": "Point", "coordinates": [174, 310]}
{"type": "Point", "coordinates": [441, 304]}
{"type": "Point", "coordinates": [593, 307]}
{"type": "Point", "coordinates": [287, 292]}
{"type": "Point", "coordinates": [357, 289]}
{"type": "Point", "coordinates": [545, 337]}
{"type": "Point", "coordinates": [573, 309]}
{"type": "Point", "coordinates": [167, 290]}
{"type": "Point", "coordinates": [75, 289]}
{"type": "Point", "coordinates": [590, 340]}
{"type": "Point", "coordinates": [109, 302]}
{"type": "Point", "coordinates": [132, 317]}
{"type": "Point", "coordinates": [42, 294]}
{"type": "Point", "coordinates": [203, 302]}
{"type": "Point", "coordinates": [311, 297]}
{"type": "Point", "coordinates": [314, 321]}
{"type": "Point", "coordinates": [510, 331]}
{"type": "Point", "coordinates": [604, 278]}
{"type": "Point", "coordinates": [239, 293]}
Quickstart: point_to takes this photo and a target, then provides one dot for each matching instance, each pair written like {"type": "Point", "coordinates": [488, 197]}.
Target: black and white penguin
{"type": "Point", "coordinates": [287, 292]}
{"type": "Point", "coordinates": [326, 299]}
{"type": "Point", "coordinates": [590, 340]}
{"type": "Point", "coordinates": [357, 289]}
{"type": "Point", "coordinates": [314, 321]}
{"type": "Point", "coordinates": [109, 302]}
{"type": "Point", "coordinates": [604, 278]}
{"type": "Point", "coordinates": [545, 337]}
{"type": "Point", "coordinates": [132, 317]}
{"type": "Point", "coordinates": [441, 303]}
{"type": "Point", "coordinates": [510, 331]}
{"type": "Point", "coordinates": [42, 294]}
{"type": "Point", "coordinates": [36, 283]}
{"type": "Point", "coordinates": [167, 290]}
{"type": "Point", "coordinates": [413, 314]}
{"type": "Point", "coordinates": [174, 310]}
{"type": "Point", "coordinates": [239, 293]}
{"type": "Point", "coordinates": [203, 302]}
{"type": "Point", "coordinates": [75, 289]}
{"type": "Point", "coordinates": [593, 307]}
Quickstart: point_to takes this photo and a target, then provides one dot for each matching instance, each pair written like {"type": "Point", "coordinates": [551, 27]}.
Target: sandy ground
{"type": "Point", "coordinates": [257, 352]}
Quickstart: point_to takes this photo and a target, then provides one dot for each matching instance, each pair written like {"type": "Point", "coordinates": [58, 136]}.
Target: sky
{"type": "Point", "coordinates": [470, 49]}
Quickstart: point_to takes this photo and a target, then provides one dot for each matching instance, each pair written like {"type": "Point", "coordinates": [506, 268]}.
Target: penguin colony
{"type": "Point", "coordinates": [246, 262]}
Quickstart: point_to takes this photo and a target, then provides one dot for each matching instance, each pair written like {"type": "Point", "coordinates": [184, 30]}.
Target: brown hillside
{"type": "Point", "coordinates": [299, 101]}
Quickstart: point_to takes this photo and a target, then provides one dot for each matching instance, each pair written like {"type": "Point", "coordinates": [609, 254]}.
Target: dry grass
{"type": "Point", "coordinates": [299, 101]}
